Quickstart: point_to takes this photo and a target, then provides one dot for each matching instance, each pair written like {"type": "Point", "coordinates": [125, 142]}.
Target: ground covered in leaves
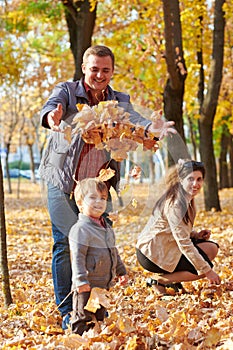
{"type": "Point", "coordinates": [138, 318]}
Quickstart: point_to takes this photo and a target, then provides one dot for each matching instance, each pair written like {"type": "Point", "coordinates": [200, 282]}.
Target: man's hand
{"type": "Point", "coordinates": [54, 118]}
{"type": "Point", "coordinates": [159, 127]}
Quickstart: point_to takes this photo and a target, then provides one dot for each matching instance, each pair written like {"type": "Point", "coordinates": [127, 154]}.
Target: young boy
{"type": "Point", "coordinates": [94, 256]}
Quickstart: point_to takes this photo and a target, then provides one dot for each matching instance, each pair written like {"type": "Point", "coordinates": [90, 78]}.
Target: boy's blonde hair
{"type": "Point", "coordinates": [84, 186]}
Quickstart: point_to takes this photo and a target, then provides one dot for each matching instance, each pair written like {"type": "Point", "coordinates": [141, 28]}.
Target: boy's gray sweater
{"type": "Point", "coordinates": [95, 258]}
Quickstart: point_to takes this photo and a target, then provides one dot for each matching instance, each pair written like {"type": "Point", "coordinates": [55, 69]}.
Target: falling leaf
{"type": "Point", "coordinates": [106, 174]}
{"type": "Point", "coordinates": [135, 172]}
{"type": "Point", "coordinates": [124, 189]}
{"type": "Point", "coordinates": [113, 216]}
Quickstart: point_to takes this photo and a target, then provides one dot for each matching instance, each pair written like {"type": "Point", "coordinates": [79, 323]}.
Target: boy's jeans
{"type": "Point", "coordinates": [63, 214]}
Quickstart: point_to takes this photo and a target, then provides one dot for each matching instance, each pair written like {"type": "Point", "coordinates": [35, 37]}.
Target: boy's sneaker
{"type": "Point", "coordinates": [66, 321]}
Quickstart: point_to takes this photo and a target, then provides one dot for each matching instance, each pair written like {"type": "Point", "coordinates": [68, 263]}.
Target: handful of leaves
{"type": "Point", "coordinates": [107, 126]}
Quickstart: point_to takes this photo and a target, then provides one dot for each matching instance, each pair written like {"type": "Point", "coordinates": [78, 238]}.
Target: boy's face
{"type": "Point", "coordinates": [94, 203]}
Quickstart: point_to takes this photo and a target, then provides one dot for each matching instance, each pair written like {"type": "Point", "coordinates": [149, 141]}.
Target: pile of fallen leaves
{"type": "Point", "coordinates": [107, 126]}
{"type": "Point", "coordinates": [138, 318]}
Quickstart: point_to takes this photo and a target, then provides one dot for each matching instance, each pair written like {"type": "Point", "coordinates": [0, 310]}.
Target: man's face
{"type": "Point", "coordinates": [98, 72]}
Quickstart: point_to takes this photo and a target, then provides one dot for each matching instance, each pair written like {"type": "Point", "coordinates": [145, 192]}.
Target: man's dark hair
{"type": "Point", "coordinates": [99, 50]}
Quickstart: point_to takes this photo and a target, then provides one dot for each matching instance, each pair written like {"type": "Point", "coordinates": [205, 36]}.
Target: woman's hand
{"type": "Point", "coordinates": [204, 234]}
{"type": "Point", "coordinates": [213, 277]}
{"type": "Point", "coordinates": [84, 288]}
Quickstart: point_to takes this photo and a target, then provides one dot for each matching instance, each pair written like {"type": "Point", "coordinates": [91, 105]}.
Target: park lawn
{"type": "Point", "coordinates": [138, 318]}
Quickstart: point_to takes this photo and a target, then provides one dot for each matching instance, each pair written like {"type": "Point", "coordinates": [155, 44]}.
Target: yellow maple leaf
{"type": "Point", "coordinates": [80, 106]}
{"type": "Point", "coordinates": [125, 325]}
{"type": "Point", "coordinates": [135, 343]}
{"type": "Point", "coordinates": [98, 297]}
{"type": "Point", "coordinates": [213, 336]}
{"type": "Point", "coordinates": [128, 290]}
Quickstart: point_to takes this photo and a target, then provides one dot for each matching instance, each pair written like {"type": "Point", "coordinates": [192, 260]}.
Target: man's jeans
{"type": "Point", "coordinates": [64, 214]}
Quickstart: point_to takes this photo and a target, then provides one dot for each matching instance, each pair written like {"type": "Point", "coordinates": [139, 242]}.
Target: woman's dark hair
{"type": "Point", "coordinates": [175, 190]}
{"type": "Point", "coordinates": [187, 167]}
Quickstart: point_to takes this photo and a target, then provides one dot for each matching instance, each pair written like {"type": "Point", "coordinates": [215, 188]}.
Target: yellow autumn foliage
{"type": "Point", "coordinates": [138, 317]}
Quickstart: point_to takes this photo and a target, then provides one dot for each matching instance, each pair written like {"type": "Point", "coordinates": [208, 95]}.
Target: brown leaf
{"type": "Point", "coordinates": [108, 124]}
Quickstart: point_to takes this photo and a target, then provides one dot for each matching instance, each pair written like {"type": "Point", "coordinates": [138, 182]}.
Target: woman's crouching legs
{"type": "Point", "coordinates": [210, 249]}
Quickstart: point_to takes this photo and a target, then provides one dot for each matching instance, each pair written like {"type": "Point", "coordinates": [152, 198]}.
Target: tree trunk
{"type": "Point", "coordinates": [223, 168]}
{"type": "Point", "coordinates": [174, 89]}
{"type": "Point", "coordinates": [80, 21]}
{"type": "Point", "coordinates": [7, 169]}
{"type": "Point", "coordinates": [32, 164]}
{"type": "Point", "coordinates": [151, 168]}
{"type": "Point", "coordinates": [210, 185]}
{"type": "Point", "coordinates": [193, 138]}
{"type": "Point", "coordinates": [3, 247]}
{"type": "Point", "coordinates": [231, 161]}
{"type": "Point", "coordinates": [208, 110]}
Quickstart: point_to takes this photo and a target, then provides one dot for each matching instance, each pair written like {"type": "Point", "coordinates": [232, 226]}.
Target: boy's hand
{"type": "Point", "coordinates": [84, 288]}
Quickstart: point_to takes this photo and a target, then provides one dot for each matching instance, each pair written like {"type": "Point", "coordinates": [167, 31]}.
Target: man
{"type": "Point", "coordinates": [62, 160]}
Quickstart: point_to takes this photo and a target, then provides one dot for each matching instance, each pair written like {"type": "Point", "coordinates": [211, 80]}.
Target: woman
{"type": "Point", "coordinates": [168, 245]}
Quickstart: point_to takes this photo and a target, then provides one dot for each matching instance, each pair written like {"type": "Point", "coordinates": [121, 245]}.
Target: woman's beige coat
{"type": "Point", "coordinates": [166, 237]}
